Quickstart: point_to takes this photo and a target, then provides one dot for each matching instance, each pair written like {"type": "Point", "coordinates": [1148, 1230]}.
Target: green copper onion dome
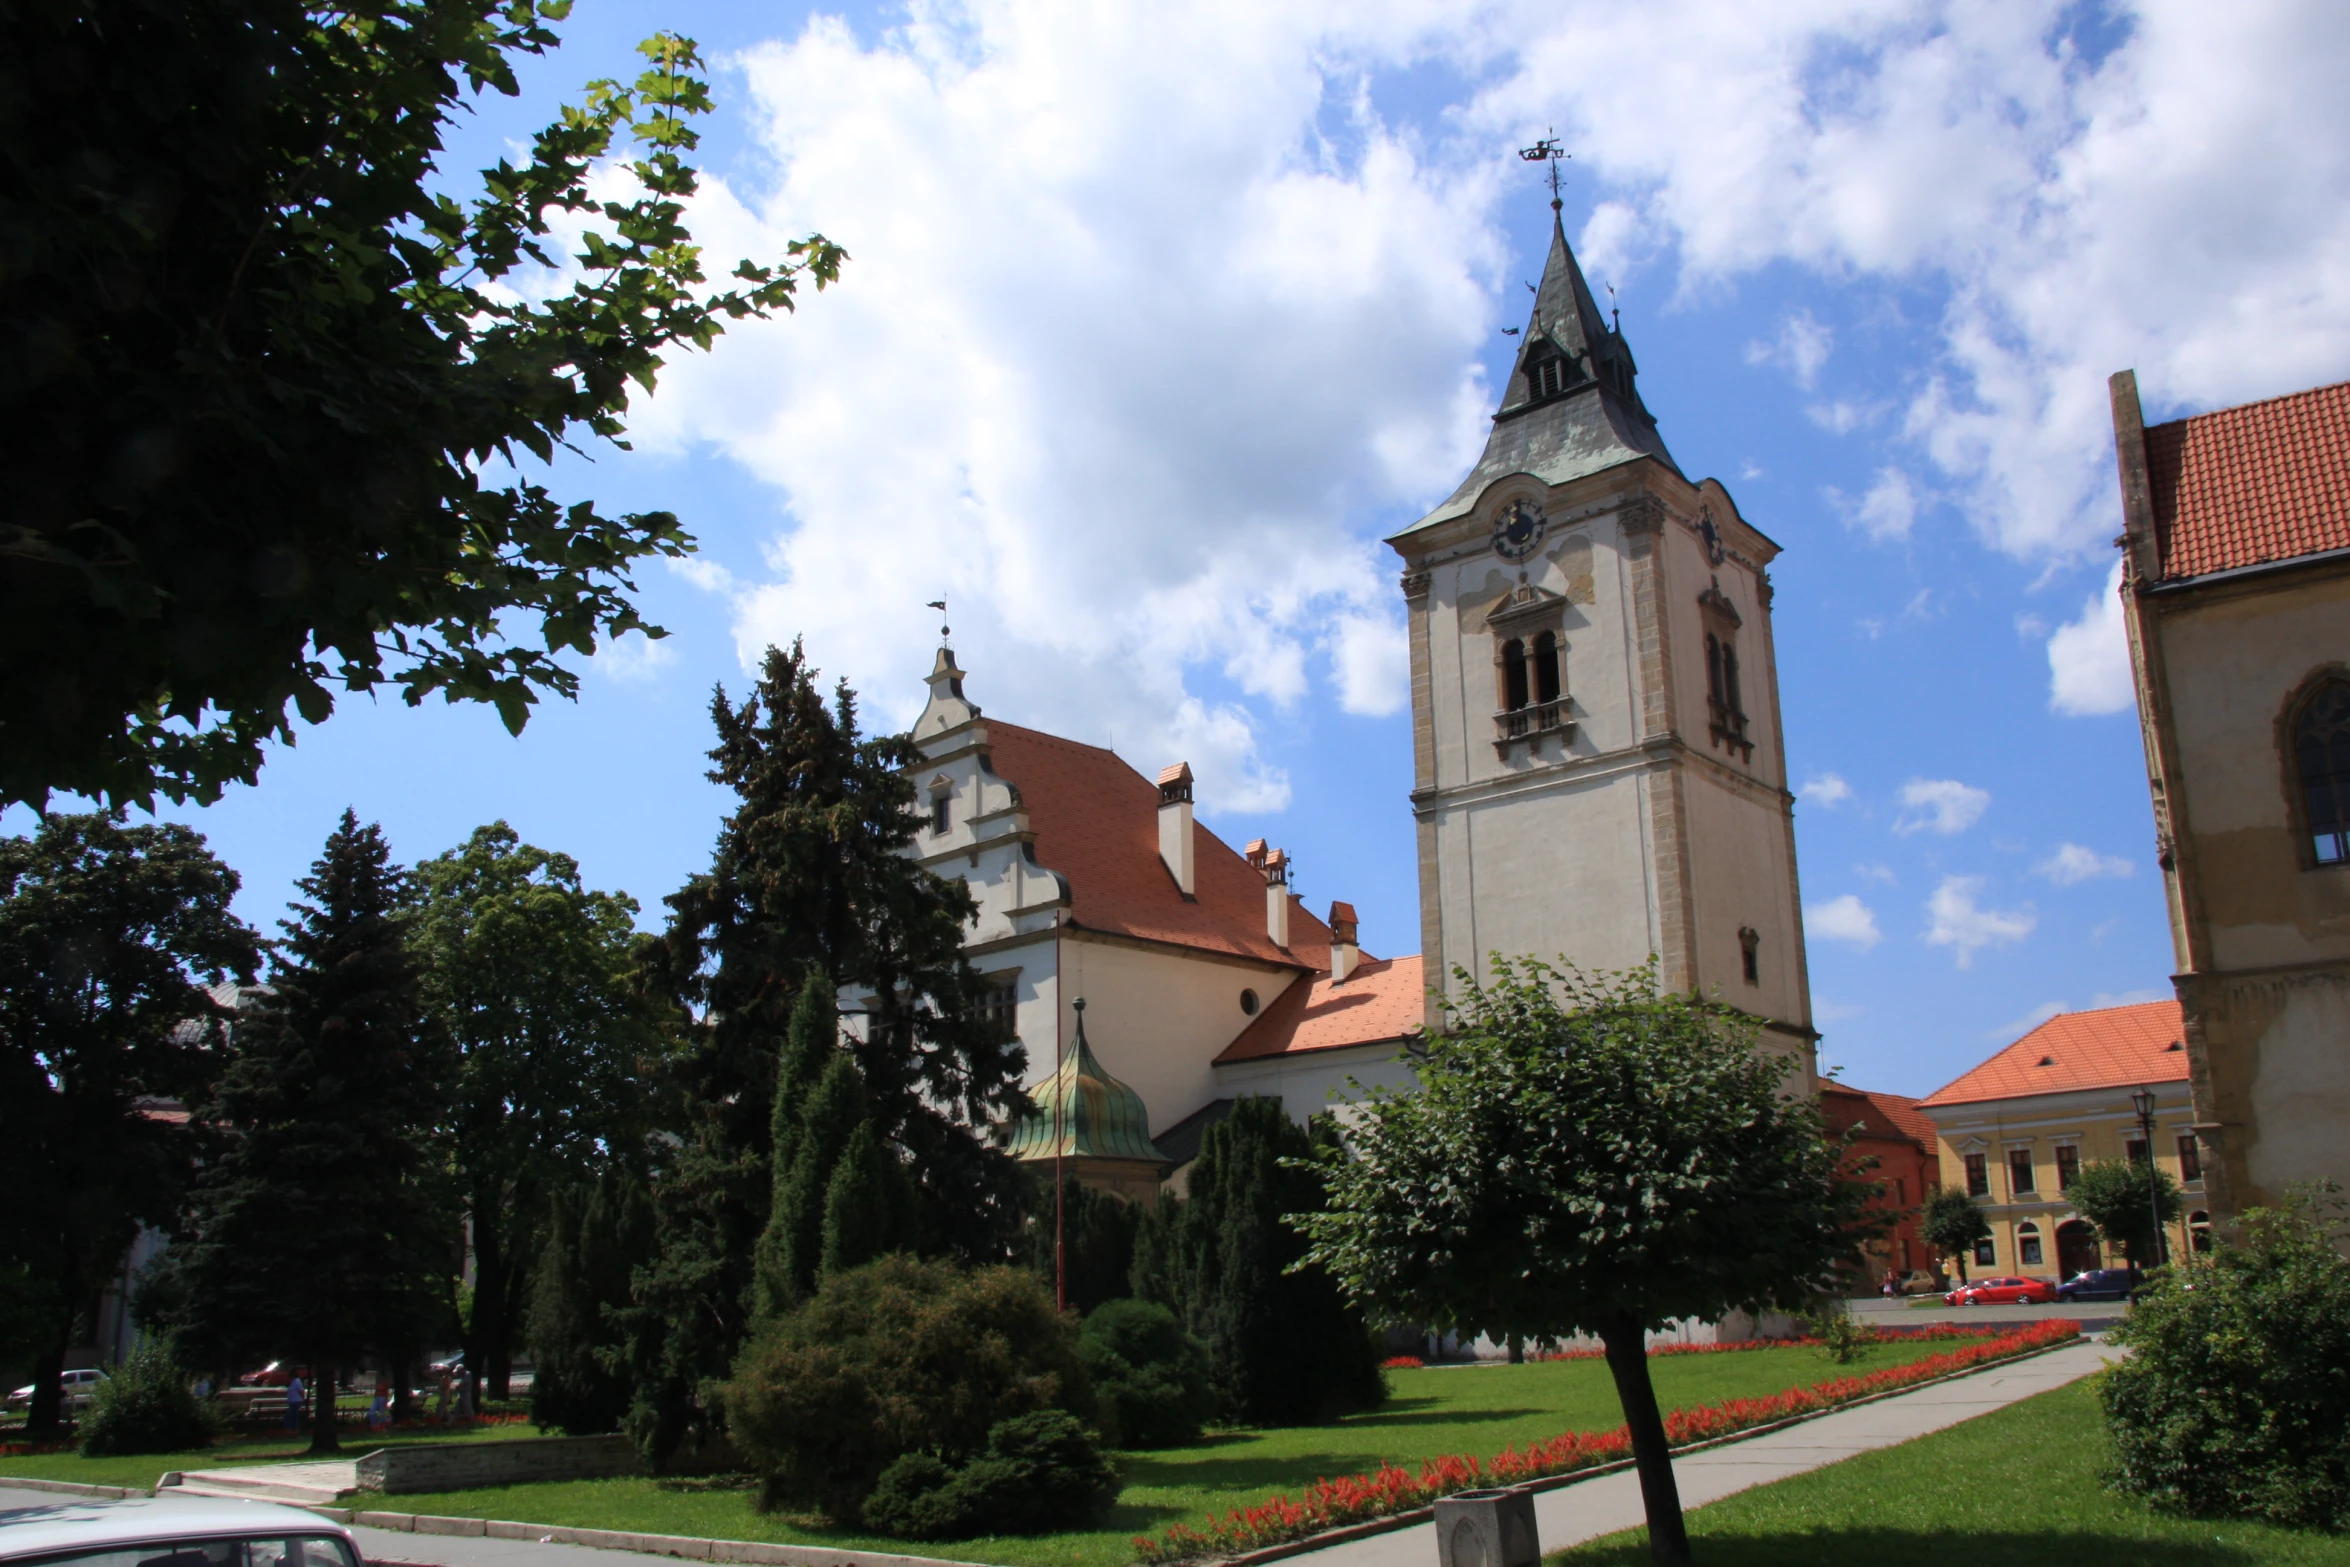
{"type": "Point", "coordinates": [1100, 1117]}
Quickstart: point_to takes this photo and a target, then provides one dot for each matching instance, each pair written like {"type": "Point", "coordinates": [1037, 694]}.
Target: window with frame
{"type": "Point", "coordinates": [1546, 666]}
{"type": "Point", "coordinates": [2199, 1232]}
{"type": "Point", "coordinates": [2321, 753]}
{"type": "Point", "coordinates": [1978, 1174]}
{"type": "Point", "coordinates": [1513, 675]}
{"type": "Point", "coordinates": [2020, 1178]}
{"type": "Point", "coordinates": [2068, 1166]}
{"type": "Point", "coordinates": [1986, 1254]}
{"type": "Point", "coordinates": [942, 812]}
{"type": "Point", "coordinates": [2027, 1245]}
{"type": "Point", "coordinates": [2190, 1157]}
{"type": "Point", "coordinates": [1546, 377]}
{"type": "Point", "coordinates": [1725, 706]}
{"type": "Point", "coordinates": [1001, 1008]}
{"type": "Point", "coordinates": [2135, 1150]}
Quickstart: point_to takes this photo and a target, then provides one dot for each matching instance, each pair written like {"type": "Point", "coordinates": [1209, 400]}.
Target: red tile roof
{"type": "Point", "coordinates": [1885, 1115]}
{"type": "Point", "coordinates": [1096, 821]}
{"type": "Point", "coordinates": [1380, 1001]}
{"type": "Point", "coordinates": [2115, 1047]}
{"type": "Point", "coordinates": [2264, 482]}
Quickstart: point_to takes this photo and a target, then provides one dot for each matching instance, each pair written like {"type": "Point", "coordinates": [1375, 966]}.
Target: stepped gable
{"type": "Point", "coordinates": [1096, 822]}
{"type": "Point", "coordinates": [2269, 481]}
{"type": "Point", "coordinates": [1381, 1002]}
{"type": "Point", "coordinates": [2114, 1047]}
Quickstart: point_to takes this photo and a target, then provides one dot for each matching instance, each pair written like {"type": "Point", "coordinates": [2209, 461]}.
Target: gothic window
{"type": "Point", "coordinates": [1749, 953]}
{"type": "Point", "coordinates": [2321, 745]}
{"type": "Point", "coordinates": [1546, 666]}
{"type": "Point", "coordinates": [1513, 675]}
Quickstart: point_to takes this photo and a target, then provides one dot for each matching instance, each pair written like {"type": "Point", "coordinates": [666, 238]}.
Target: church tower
{"type": "Point", "coordinates": [1598, 765]}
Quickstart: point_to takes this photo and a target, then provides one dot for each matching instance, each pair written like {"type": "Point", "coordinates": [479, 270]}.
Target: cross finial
{"type": "Point", "coordinates": [1548, 150]}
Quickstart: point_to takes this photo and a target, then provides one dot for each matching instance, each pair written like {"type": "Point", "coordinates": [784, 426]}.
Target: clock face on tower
{"type": "Point", "coordinates": [1518, 530]}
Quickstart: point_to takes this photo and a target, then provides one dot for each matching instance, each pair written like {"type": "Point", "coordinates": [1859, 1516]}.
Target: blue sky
{"type": "Point", "coordinates": [1158, 319]}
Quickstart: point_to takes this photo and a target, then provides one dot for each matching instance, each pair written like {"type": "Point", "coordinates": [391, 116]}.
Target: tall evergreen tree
{"type": "Point", "coordinates": [105, 931]}
{"type": "Point", "coordinates": [808, 1047]}
{"type": "Point", "coordinates": [598, 1234]}
{"type": "Point", "coordinates": [532, 977]}
{"type": "Point", "coordinates": [325, 1228]}
{"type": "Point", "coordinates": [810, 869]}
{"type": "Point", "coordinates": [1286, 1346]}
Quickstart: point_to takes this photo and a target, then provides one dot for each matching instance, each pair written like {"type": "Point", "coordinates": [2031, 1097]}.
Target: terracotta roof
{"type": "Point", "coordinates": [1378, 1002]}
{"type": "Point", "coordinates": [2264, 482]}
{"type": "Point", "coordinates": [2116, 1047]}
{"type": "Point", "coordinates": [1886, 1115]}
{"type": "Point", "coordinates": [1096, 821]}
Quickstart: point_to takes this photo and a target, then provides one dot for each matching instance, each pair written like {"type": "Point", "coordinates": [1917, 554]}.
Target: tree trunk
{"type": "Point", "coordinates": [323, 1436]}
{"type": "Point", "coordinates": [1627, 1362]}
{"type": "Point", "coordinates": [486, 1330]}
{"type": "Point", "coordinates": [403, 1370]}
{"type": "Point", "coordinates": [1517, 1350]}
{"type": "Point", "coordinates": [47, 1414]}
{"type": "Point", "coordinates": [521, 1247]}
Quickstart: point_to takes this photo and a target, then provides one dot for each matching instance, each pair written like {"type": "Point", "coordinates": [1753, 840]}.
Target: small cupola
{"type": "Point", "coordinates": [1098, 1125]}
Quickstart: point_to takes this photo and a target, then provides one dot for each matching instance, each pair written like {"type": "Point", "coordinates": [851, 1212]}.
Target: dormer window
{"type": "Point", "coordinates": [1546, 378]}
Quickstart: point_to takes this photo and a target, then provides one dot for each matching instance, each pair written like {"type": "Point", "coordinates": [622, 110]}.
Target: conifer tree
{"type": "Point", "coordinates": [598, 1234]}
{"type": "Point", "coordinates": [810, 869]}
{"type": "Point", "coordinates": [833, 1113]}
{"type": "Point", "coordinates": [325, 1228]}
{"type": "Point", "coordinates": [808, 1046]}
{"type": "Point", "coordinates": [863, 1205]}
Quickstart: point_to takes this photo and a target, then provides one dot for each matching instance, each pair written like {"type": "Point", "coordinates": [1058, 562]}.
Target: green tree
{"type": "Point", "coordinates": [811, 869]}
{"type": "Point", "coordinates": [1101, 1231]}
{"type": "Point", "coordinates": [105, 934]}
{"type": "Point", "coordinates": [598, 1235]}
{"type": "Point", "coordinates": [324, 1227]}
{"type": "Point", "coordinates": [1952, 1223]}
{"type": "Point", "coordinates": [1587, 1155]}
{"type": "Point", "coordinates": [268, 376]}
{"type": "Point", "coordinates": [533, 977]}
{"type": "Point", "coordinates": [810, 1041]}
{"type": "Point", "coordinates": [1286, 1346]}
{"type": "Point", "coordinates": [2123, 1199]}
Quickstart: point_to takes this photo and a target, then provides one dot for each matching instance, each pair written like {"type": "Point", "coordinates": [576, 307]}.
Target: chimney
{"type": "Point", "coordinates": [1175, 823]}
{"type": "Point", "coordinates": [1276, 864]}
{"type": "Point", "coordinates": [1344, 954]}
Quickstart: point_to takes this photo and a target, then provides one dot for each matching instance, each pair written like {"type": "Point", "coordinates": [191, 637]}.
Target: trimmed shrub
{"type": "Point", "coordinates": [145, 1407]}
{"type": "Point", "coordinates": [1150, 1376]}
{"type": "Point", "coordinates": [1039, 1473]}
{"type": "Point", "coordinates": [1100, 1234]}
{"type": "Point", "coordinates": [2235, 1400]}
{"type": "Point", "coordinates": [893, 1358]}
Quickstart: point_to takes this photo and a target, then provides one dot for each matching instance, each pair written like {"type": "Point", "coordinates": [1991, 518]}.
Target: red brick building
{"type": "Point", "coordinates": [1899, 1137]}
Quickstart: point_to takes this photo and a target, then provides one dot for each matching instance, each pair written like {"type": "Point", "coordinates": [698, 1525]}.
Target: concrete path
{"type": "Point", "coordinates": [1566, 1516]}
{"type": "Point", "coordinates": [1585, 1511]}
{"type": "Point", "coordinates": [322, 1483]}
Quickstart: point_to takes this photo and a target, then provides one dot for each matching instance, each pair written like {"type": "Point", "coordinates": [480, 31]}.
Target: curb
{"type": "Point", "coordinates": [758, 1553]}
{"type": "Point", "coordinates": [111, 1493]}
{"type": "Point", "coordinates": [1420, 1515]}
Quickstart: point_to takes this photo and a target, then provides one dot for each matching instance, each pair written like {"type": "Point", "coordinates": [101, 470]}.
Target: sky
{"type": "Point", "coordinates": [1158, 319]}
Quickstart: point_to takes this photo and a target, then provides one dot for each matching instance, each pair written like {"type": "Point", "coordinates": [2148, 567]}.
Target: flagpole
{"type": "Point", "coordinates": [1060, 1065]}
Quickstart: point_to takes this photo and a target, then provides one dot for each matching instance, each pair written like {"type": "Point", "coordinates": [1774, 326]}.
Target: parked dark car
{"type": "Point", "coordinates": [2102, 1284]}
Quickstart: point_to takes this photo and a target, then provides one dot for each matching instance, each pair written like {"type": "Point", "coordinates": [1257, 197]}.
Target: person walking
{"type": "Point", "coordinates": [295, 1392]}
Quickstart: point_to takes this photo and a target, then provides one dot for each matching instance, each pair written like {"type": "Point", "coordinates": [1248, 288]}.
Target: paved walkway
{"type": "Point", "coordinates": [1585, 1511]}
{"type": "Point", "coordinates": [1566, 1516]}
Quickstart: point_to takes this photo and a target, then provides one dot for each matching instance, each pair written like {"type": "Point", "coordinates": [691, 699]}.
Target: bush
{"type": "Point", "coordinates": [145, 1407]}
{"type": "Point", "coordinates": [893, 1358]}
{"type": "Point", "coordinates": [2235, 1400]}
{"type": "Point", "coordinates": [1150, 1376]}
{"type": "Point", "coordinates": [1039, 1473]}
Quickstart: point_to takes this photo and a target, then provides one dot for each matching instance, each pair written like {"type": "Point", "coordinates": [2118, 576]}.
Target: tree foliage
{"type": "Point", "coordinates": [532, 977]}
{"type": "Point", "coordinates": [324, 1228]}
{"type": "Point", "coordinates": [598, 1234]}
{"type": "Point", "coordinates": [1286, 1346]}
{"type": "Point", "coordinates": [810, 884]}
{"type": "Point", "coordinates": [1040, 1473]}
{"type": "Point", "coordinates": [1100, 1231]}
{"type": "Point", "coordinates": [106, 931]}
{"type": "Point", "coordinates": [1153, 1379]}
{"type": "Point", "coordinates": [1585, 1154]}
{"type": "Point", "coordinates": [266, 375]}
{"type": "Point", "coordinates": [2123, 1199]}
{"type": "Point", "coordinates": [1951, 1224]}
{"type": "Point", "coordinates": [2235, 1397]}
{"type": "Point", "coordinates": [145, 1407]}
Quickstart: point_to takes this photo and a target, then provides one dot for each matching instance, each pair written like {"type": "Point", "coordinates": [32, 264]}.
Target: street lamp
{"type": "Point", "coordinates": [2142, 1101]}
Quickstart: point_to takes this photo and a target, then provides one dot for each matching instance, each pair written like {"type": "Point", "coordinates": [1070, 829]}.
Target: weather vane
{"type": "Point", "coordinates": [941, 606]}
{"type": "Point", "coordinates": [1548, 150]}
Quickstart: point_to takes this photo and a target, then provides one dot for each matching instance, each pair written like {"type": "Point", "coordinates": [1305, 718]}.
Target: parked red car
{"type": "Point", "coordinates": [276, 1374]}
{"type": "Point", "coordinates": [2002, 1292]}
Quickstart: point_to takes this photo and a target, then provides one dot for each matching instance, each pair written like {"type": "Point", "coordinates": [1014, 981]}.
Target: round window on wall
{"type": "Point", "coordinates": [1248, 1002]}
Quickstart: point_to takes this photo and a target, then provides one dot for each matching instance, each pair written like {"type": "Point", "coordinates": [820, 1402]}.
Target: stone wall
{"type": "Point", "coordinates": [463, 1466]}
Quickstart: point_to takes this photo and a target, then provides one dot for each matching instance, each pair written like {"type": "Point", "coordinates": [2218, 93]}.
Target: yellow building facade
{"type": "Point", "coordinates": [2013, 1132]}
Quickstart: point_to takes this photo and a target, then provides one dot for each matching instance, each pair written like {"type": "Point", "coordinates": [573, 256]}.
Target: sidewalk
{"type": "Point", "coordinates": [1565, 1516]}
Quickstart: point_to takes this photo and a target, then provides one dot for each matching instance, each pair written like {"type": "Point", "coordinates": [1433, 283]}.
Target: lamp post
{"type": "Point", "coordinates": [2142, 1101]}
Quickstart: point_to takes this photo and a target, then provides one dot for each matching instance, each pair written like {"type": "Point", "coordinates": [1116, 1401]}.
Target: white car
{"type": "Point", "coordinates": [79, 1387]}
{"type": "Point", "coordinates": [180, 1531]}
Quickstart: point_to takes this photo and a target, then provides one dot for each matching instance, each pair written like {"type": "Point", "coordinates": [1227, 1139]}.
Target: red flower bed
{"type": "Point", "coordinates": [1402, 1363]}
{"type": "Point", "coordinates": [1391, 1489]}
{"type": "Point", "coordinates": [1936, 1330]}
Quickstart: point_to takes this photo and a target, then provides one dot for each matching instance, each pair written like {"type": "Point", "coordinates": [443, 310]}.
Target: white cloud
{"type": "Point", "coordinates": [2089, 658]}
{"type": "Point", "coordinates": [1887, 512]}
{"type": "Point", "coordinates": [1800, 348]}
{"type": "Point", "coordinates": [1873, 871]}
{"type": "Point", "coordinates": [1845, 919]}
{"type": "Point", "coordinates": [2074, 863]}
{"type": "Point", "coordinates": [1839, 417]}
{"type": "Point", "coordinates": [1826, 1011]}
{"type": "Point", "coordinates": [1942, 805]}
{"type": "Point", "coordinates": [1956, 921]}
{"type": "Point", "coordinates": [1369, 662]}
{"type": "Point", "coordinates": [635, 658]}
{"type": "Point", "coordinates": [2133, 998]}
{"type": "Point", "coordinates": [2009, 1033]}
{"type": "Point", "coordinates": [1826, 791]}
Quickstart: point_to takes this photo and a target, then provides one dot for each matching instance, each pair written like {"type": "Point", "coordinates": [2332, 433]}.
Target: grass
{"type": "Point", "coordinates": [1478, 1410]}
{"type": "Point", "coordinates": [2019, 1487]}
{"type": "Point", "coordinates": [229, 1452]}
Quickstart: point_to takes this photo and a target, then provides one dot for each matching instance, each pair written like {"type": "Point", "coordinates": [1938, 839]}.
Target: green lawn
{"type": "Point", "coordinates": [1476, 1410]}
{"type": "Point", "coordinates": [2016, 1488]}
{"type": "Point", "coordinates": [230, 1452]}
